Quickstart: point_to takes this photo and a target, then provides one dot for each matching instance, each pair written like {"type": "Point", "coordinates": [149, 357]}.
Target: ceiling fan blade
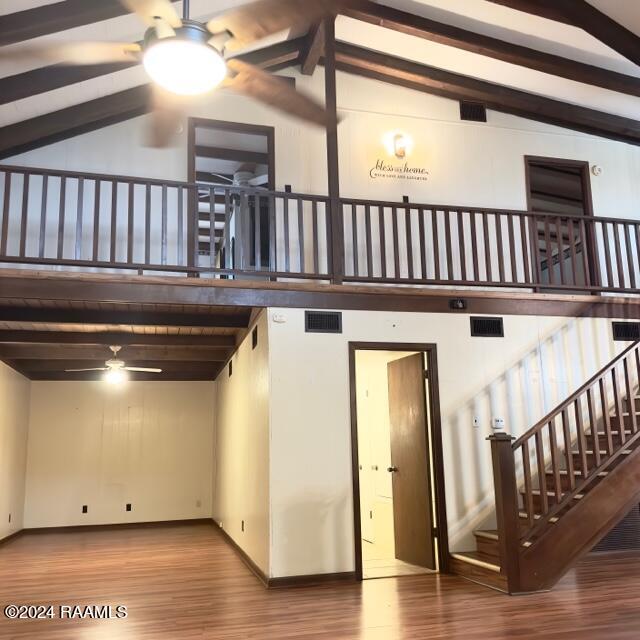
{"type": "Point", "coordinates": [143, 370]}
{"type": "Point", "coordinates": [79, 370]}
{"type": "Point", "coordinates": [149, 10]}
{"type": "Point", "coordinates": [257, 20]}
{"type": "Point", "coordinates": [274, 91]}
{"type": "Point", "coordinates": [77, 53]}
{"type": "Point", "coordinates": [167, 114]}
{"type": "Point", "coordinates": [259, 181]}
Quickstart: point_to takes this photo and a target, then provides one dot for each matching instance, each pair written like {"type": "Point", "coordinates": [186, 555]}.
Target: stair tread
{"type": "Point", "coordinates": [473, 557]}
{"type": "Point", "coordinates": [537, 516]}
{"type": "Point", "coordinates": [626, 452]}
{"type": "Point", "coordinates": [536, 492]}
{"type": "Point", "coordinates": [576, 472]}
{"type": "Point", "coordinates": [491, 534]}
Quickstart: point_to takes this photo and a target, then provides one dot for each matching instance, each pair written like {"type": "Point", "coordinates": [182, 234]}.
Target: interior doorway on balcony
{"type": "Point", "coordinates": [227, 159]}
{"type": "Point", "coordinates": [562, 189]}
{"type": "Point", "coordinates": [396, 457]}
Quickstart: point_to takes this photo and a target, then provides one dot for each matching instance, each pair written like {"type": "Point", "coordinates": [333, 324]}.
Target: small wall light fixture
{"type": "Point", "coordinates": [398, 144]}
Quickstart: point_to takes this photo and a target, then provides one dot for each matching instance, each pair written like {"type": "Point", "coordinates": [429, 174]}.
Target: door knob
{"type": "Point", "coordinates": [392, 469]}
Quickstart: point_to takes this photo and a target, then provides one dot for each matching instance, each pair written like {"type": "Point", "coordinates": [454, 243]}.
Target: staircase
{"type": "Point", "coordinates": [563, 485]}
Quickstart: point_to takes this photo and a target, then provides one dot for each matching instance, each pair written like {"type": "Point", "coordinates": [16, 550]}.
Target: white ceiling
{"type": "Point", "coordinates": [478, 15]}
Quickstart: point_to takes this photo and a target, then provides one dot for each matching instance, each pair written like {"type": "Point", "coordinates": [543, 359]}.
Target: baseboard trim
{"type": "Point", "coordinates": [255, 569]}
{"type": "Point", "coordinates": [11, 536]}
{"type": "Point", "coordinates": [115, 526]}
{"type": "Point", "coordinates": [312, 580]}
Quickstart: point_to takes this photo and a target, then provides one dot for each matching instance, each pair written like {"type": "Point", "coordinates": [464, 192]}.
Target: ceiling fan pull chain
{"type": "Point", "coordinates": [185, 9]}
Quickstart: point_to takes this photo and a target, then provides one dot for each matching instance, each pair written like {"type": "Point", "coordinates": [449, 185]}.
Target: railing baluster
{"type": "Point", "coordinates": [474, 246]}
{"type": "Point", "coordinates": [500, 249]}
{"type": "Point", "coordinates": [528, 487]}
{"type": "Point", "coordinates": [354, 239]}
{"type": "Point", "coordinates": [383, 241]}
{"type": "Point", "coordinates": [541, 472]}
{"type": "Point", "coordinates": [593, 422]}
{"type": "Point", "coordinates": [448, 247]}
{"type": "Point", "coordinates": [462, 248]}
{"type": "Point", "coordinates": [163, 227]}
{"type": "Point", "coordinates": [4, 233]}
{"type": "Point", "coordinates": [79, 219]}
{"type": "Point", "coordinates": [568, 443]}
{"type": "Point", "coordinates": [560, 244]}
{"type": "Point", "coordinates": [212, 227]}
{"type": "Point", "coordinates": [534, 239]}
{"type": "Point", "coordinates": [301, 234]}
{"type": "Point", "coordinates": [147, 223]}
{"type": "Point", "coordinates": [396, 245]}
{"type": "Point", "coordinates": [512, 249]}
{"type": "Point", "coordinates": [25, 214]}
{"type": "Point", "coordinates": [96, 219]}
{"type": "Point", "coordinates": [287, 245]}
{"type": "Point", "coordinates": [130, 220]}
{"type": "Point", "coordinates": [619, 263]}
{"type": "Point", "coordinates": [258, 238]}
{"type": "Point", "coordinates": [436, 243]}
{"type": "Point", "coordinates": [273, 235]}
{"type": "Point", "coordinates": [548, 251]}
{"type": "Point", "coordinates": [572, 250]}
{"type": "Point", "coordinates": [617, 400]}
{"type": "Point", "coordinates": [62, 207]}
{"type": "Point", "coordinates": [487, 247]}
{"type": "Point", "coordinates": [408, 233]}
{"type": "Point", "coordinates": [180, 223]}
{"type": "Point", "coordinates": [584, 250]}
{"type": "Point", "coordinates": [423, 243]}
{"type": "Point", "coordinates": [114, 221]}
{"type": "Point", "coordinates": [315, 237]}
{"type": "Point", "coordinates": [367, 230]}
{"type": "Point", "coordinates": [525, 251]}
{"type": "Point", "coordinates": [604, 403]}
{"type": "Point", "coordinates": [43, 216]}
{"type": "Point", "coordinates": [607, 254]}
{"type": "Point", "coordinates": [555, 464]}
{"type": "Point", "coordinates": [582, 441]}
{"type": "Point", "coordinates": [630, 401]}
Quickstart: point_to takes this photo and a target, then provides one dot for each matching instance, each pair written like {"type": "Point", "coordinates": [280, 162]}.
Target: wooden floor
{"type": "Point", "coordinates": [184, 582]}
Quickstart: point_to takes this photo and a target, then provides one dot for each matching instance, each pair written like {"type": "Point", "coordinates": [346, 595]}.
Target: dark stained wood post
{"type": "Point", "coordinates": [506, 492]}
{"type": "Point", "coordinates": [335, 213]}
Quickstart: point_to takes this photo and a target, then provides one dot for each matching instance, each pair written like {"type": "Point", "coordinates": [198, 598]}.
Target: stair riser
{"type": "Point", "coordinates": [602, 441]}
{"type": "Point", "coordinates": [615, 422]}
{"type": "Point", "coordinates": [488, 549]}
{"type": "Point", "coordinates": [626, 404]}
{"type": "Point", "coordinates": [564, 482]}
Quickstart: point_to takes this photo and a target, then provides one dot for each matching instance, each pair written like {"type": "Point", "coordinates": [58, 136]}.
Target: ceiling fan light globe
{"type": "Point", "coordinates": [184, 67]}
{"type": "Point", "coordinates": [115, 377]}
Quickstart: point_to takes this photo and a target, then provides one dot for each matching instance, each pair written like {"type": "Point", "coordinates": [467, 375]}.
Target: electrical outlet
{"type": "Point", "coordinates": [9, 518]}
{"type": "Point", "coordinates": [128, 507]}
{"type": "Point", "coordinates": [476, 422]}
{"type": "Point", "coordinates": [243, 526]}
{"type": "Point", "coordinates": [85, 508]}
{"type": "Point", "coordinates": [498, 424]}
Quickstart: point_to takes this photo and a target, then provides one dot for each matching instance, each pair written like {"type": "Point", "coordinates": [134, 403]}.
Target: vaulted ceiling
{"type": "Point", "coordinates": [569, 62]}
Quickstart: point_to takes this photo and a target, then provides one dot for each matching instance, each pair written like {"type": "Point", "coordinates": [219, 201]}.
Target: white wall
{"type": "Point", "coordinates": [14, 422]}
{"type": "Point", "coordinates": [538, 363]}
{"type": "Point", "coordinates": [242, 449]}
{"type": "Point", "coordinates": [145, 443]}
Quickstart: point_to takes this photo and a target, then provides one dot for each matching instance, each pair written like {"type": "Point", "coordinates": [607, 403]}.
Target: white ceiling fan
{"type": "Point", "coordinates": [115, 368]}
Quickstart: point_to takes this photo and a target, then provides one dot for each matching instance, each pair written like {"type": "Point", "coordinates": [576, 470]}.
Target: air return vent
{"type": "Point", "coordinates": [323, 322]}
{"type": "Point", "coordinates": [473, 111]}
{"type": "Point", "coordinates": [626, 331]}
{"type": "Point", "coordinates": [487, 327]}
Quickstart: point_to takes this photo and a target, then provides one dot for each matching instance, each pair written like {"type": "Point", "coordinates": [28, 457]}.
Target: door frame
{"type": "Point", "coordinates": [585, 176]}
{"type": "Point", "coordinates": [430, 351]}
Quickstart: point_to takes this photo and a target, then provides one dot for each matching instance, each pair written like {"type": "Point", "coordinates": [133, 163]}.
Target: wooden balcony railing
{"type": "Point", "coordinates": [74, 219]}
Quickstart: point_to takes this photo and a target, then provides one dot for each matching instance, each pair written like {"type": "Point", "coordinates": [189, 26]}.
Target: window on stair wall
{"type": "Point", "coordinates": [233, 163]}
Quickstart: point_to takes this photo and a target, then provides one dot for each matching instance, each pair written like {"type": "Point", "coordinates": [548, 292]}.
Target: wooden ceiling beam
{"type": "Point", "coordinates": [61, 365]}
{"type": "Point", "coordinates": [413, 25]}
{"type": "Point", "coordinates": [579, 13]}
{"type": "Point", "coordinates": [97, 376]}
{"type": "Point", "coordinates": [108, 338]}
{"type": "Point", "coordinates": [239, 320]}
{"type": "Point", "coordinates": [454, 86]}
{"type": "Point", "coordinates": [312, 50]}
{"type": "Point", "coordinates": [101, 354]}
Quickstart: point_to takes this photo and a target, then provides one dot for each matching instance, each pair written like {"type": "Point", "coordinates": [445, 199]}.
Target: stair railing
{"type": "Point", "coordinates": [553, 475]}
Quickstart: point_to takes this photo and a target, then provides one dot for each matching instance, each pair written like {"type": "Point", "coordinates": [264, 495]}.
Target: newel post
{"type": "Point", "coordinates": [506, 492]}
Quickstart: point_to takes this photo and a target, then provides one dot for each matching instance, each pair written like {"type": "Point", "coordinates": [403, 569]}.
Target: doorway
{"type": "Point", "coordinates": [563, 245]}
{"type": "Point", "coordinates": [398, 479]}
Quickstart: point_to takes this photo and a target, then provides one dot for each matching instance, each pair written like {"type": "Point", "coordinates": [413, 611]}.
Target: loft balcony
{"type": "Point", "coordinates": [71, 221]}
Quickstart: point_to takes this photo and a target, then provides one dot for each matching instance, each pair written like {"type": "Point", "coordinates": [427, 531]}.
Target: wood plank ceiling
{"type": "Point", "coordinates": [41, 339]}
{"type": "Point", "coordinates": [585, 47]}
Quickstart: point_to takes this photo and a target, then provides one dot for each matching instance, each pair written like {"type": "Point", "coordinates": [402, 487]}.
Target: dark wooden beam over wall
{"type": "Point", "coordinates": [446, 84]}
{"type": "Point", "coordinates": [452, 36]}
{"type": "Point", "coordinates": [580, 13]}
{"type": "Point", "coordinates": [312, 50]}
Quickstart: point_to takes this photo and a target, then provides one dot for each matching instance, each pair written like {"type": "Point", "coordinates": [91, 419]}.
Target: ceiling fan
{"type": "Point", "coordinates": [186, 58]}
{"type": "Point", "coordinates": [115, 368]}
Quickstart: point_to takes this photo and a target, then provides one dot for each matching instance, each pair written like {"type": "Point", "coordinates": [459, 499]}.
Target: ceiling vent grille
{"type": "Point", "coordinates": [626, 331]}
{"type": "Point", "coordinates": [323, 322]}
{"type": "Point", "coordinates": [482, 327]}
{"type": "Point", "coordinates": [473, 111]}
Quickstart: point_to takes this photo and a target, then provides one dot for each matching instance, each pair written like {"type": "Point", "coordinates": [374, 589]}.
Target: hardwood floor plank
{"type": "Point", "coordinates": [183, 581]}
